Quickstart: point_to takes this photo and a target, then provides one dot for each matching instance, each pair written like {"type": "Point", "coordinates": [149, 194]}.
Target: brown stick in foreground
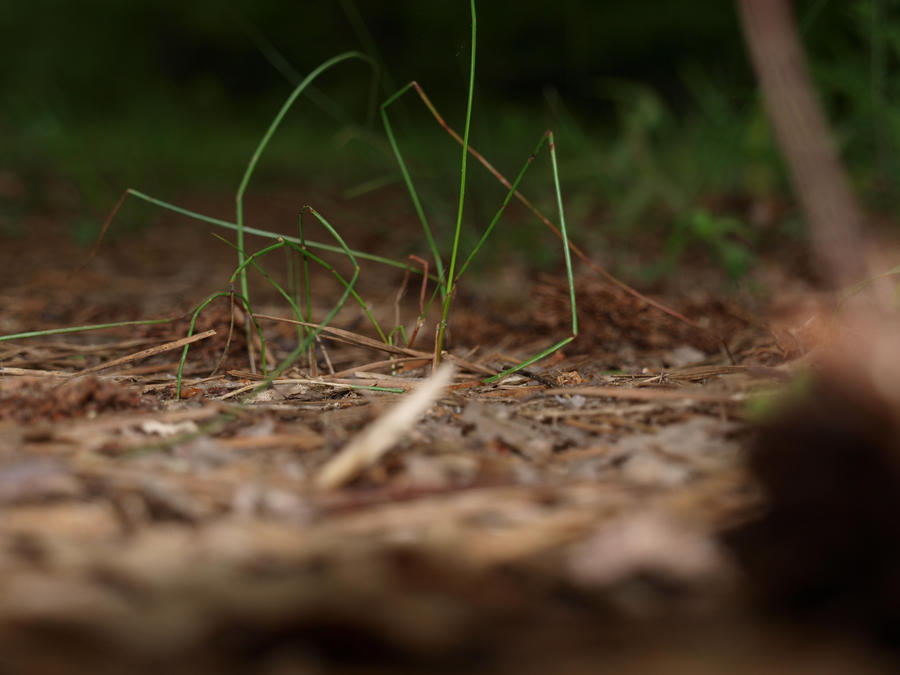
{"type": "Point", "coordinates": [832, 213]}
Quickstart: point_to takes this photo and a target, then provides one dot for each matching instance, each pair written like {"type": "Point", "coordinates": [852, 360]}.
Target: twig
{"type": "Point", "coordinates": [145, 353]}
{"type": "Point", "coordinates": [376, 439]}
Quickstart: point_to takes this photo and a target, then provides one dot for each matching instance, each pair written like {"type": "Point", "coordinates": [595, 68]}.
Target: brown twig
{"type": "Point", "coordinates": [146, 353]}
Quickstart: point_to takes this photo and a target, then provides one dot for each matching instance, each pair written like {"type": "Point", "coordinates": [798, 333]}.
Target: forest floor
{"type": "Point", "coordinates": [579, 517]}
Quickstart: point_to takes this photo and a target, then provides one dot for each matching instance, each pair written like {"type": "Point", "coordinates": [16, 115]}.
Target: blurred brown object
{"type": "Point", "coordinates": [834, 218]}
{"type": "Point", "coordinates": [827, 550]}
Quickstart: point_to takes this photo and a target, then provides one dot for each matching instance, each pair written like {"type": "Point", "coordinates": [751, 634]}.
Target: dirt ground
{"type": "Point", "coordinates": [611, 509]}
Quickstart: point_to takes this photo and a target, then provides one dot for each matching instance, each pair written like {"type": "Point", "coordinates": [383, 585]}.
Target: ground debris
{"type": "Point", "coordinates": [42, 399]}
{"type": "Point", "coordinates": [564, 519]}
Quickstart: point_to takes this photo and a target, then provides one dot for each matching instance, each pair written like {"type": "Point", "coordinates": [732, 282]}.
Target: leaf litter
{"type": "Point", "coordinates": [571, 515]}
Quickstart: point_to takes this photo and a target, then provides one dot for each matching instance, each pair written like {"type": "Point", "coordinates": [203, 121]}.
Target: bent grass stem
{"type": "Point", "coordinates": [446, 280]}
{"type": "Point", "coordinates": [254, 160]}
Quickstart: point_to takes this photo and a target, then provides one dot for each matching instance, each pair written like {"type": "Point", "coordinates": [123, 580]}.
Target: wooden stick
{"type": "Point", "coordinates": [145, 353]}
{"type": "Point", "coordinates": [833, 215]}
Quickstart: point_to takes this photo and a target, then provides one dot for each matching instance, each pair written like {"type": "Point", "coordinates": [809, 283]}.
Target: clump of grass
{"type": "Point", "coordinates": [447, 275]}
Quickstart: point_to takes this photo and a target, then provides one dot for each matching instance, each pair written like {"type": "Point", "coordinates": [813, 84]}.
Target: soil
{"type": "Point", "coordinates": [595, 512]}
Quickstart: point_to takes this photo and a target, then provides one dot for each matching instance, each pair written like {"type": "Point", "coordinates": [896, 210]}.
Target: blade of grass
{"type": "Point", "coordinates": [306, 255]}
{"type": "Point", "coordinates": [414, 195]}
{"type": "Point", "coordinates": [252, 260]}
{"type": "Point", "coordinates": [448, 296]}
{"type": "Point", "coordinates": [218, 222]}
{"type": "Point", "coordinates": [196, 313]}
{"type": "Point", "coordinates": [308, 291]}
{"type": "Point", "coordinates": [548, 223]}
{"type": "Point", "coordinates": [512, 190]}
{"type": "Point", "coordinates": [529, 361]}
{"type": "Point", "coordinates": [254, 160]}
{"type": "Point", "coordinates": [565, 236]}
{"type": "Point", "coordinates": [348, 291]}
{"type": "Point", "coordinates": [568, 261]}
{"type": "Point", "coordinates": [82, 329]}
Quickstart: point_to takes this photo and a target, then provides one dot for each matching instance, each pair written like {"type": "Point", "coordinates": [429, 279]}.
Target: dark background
{"type": "Point", "coordinates": [654, 102]}
{"type": "Point", "coordinates": [102, 57]}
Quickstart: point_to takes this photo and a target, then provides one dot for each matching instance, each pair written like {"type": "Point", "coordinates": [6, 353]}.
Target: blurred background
{"type": "Point", "coordinates": [659, 123]}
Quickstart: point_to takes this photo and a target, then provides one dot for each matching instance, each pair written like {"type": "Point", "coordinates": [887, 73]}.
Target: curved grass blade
{"type": "Point", "coordinates": [307, 255]}
{"type": "Point", "coordinates": [196, 313]}
{"type": "Point", "coordinates": [452, 277]}
{"type": "Point", "coordinates": [228, 225]}
{"type": "Point", "coordinates": [411, 188]}
{"type": "Point", "coordinates": [82, 329]}
{"type": "Point", "coordinates": [549, 223]}
{"type": "Point", "coordinates": [569, 276]}
{"type": "Point", "coordinates": [254, 160]}
{"type": "Point", "coordinates": [349, 291]}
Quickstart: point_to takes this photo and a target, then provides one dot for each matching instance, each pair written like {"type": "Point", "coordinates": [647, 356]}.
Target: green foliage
{"type": "Point", "coordinates": [858, 75]}
{"type": "Point", "coordinates": [658, 166]}
{"type": "Point", "coordinates": [726, 239]}
{"type": "Point", "coordinates": [650, 125]}
{"type": "Point", "coordinates": [445, 281]}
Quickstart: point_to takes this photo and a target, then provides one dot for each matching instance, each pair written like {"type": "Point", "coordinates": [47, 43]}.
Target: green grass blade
{"type": "Point", "coordinates": [184, 352]}
{"type": "Point", "coordinates": [82, 329]}
{"type": "Point", "coordinates": [307, 286]}
{"type": "Point", "coordinates": [569, 275]}
{"type": "Point", "coordinates": [448, 296]}
{"type": "Point", "coordinates": [565, 235]}
{"type": "Point", "coordinates": [302, 346]}
{"type": "Point", "coordinates": [196, 313]}
{"type": "Point", "coordinates": [254, 160]}
{"type": "Point", "coordinates": [528, 362]}
{"type": "Point", "coordinates": [352, 257]}
{"type": "Point", "coordinates": [349, 290]}
{"type": "Point", "coordinates": [252, 260]}
{"type": "Point", "coordinates": [509, 195]}
{"type": "Point", "coordinates": [307, 255]}
{"type": "Point", "coordinates": [268, 234]}
{"type": "Point", "coordinates": [410, 187]}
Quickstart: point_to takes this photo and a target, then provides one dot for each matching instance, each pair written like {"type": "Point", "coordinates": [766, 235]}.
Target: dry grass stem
{"type": "Point", "coordinates": [365, 449]}
{"type": "Point", "coordinates": [146, 353]}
